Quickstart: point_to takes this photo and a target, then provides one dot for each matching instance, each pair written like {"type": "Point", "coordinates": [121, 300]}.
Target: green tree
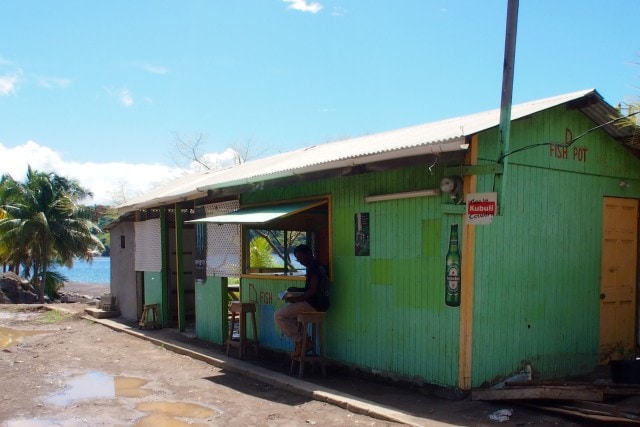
{"type": "Point", "coordinates": [265, 244]}
{"type": "Point", "coordinates": [4, 248]}
{"type": "Point", "coordinates": [260, 253]}
{"type": "Point", "coordinates": [103, 216]}
{"type": "Point", "coordinates": [629, 117]}
{"type": "Point", "coordinates": [44, 224]}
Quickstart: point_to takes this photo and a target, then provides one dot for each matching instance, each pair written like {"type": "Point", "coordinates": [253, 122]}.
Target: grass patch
{"type": "Point", "coordinates": [51, 317]}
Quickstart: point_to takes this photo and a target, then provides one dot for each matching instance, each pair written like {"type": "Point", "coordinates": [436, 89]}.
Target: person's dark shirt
{"type": "Point", "coordinates": [319, 301]}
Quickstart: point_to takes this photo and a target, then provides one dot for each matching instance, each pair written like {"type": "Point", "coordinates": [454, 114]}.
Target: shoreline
{"type": "Point", "coordinates": [83, 288]}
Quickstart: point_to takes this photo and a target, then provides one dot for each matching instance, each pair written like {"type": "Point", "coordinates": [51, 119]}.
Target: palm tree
{"type": "Point", "coordinates": [260, 253]}
{"type": "Point", "coordinates": [9, 254]}
{"type": "Point", "coordinates": [45, 224]}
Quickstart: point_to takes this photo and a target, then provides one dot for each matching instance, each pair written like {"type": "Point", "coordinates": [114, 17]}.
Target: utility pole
{"type": "Point", "coordinates": [504, 129]}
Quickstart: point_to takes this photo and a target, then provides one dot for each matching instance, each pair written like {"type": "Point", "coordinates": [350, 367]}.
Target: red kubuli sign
{"type": "Point", "coordinates": [481, 207]}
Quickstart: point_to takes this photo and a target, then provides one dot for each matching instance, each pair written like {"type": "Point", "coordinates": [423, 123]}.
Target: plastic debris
{"type": "Point", "coordinates": [501, 415]}
{"type": "Point", "coordinates": [521, 377]}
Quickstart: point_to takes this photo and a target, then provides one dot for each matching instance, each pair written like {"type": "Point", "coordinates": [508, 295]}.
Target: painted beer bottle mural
{"type": "Point", "coordinates": [452, 270]}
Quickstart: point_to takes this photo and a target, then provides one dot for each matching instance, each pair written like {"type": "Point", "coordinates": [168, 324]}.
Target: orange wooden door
{"type": "Point", "coordinates": [618, 275]}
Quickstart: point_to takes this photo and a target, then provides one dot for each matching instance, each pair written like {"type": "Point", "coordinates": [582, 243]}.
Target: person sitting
{"type": "Point", "coordinates": [313, 297]}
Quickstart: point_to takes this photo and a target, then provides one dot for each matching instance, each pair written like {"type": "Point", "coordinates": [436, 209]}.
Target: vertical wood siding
{"type": "Point", "coordinates": [387, 312]}
{"type": "Point", "coordinates": [264, 292]}
{"type": "Point", "coordinates": [211, 307]}
{"type": "Point", "coordinates": [537, 279]}
{"type": "Point", "coordinates": [536, 266]}
{"type": "Point", "coordinates": [153, 288]}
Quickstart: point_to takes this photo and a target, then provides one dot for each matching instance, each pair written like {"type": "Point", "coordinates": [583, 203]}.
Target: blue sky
{"type": "Point", "coordinates": [99, 90]}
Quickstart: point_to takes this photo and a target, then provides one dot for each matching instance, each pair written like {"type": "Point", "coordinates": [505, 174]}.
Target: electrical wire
{"type": "Point", "coordinates": [527, 147]}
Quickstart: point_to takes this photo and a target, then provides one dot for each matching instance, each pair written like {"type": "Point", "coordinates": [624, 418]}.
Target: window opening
{"type": "Point", "coordinates": [271, 251]}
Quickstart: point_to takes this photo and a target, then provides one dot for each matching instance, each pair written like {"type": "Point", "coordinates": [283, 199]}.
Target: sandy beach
{"type": "Point", "coordinates": [91, 289]}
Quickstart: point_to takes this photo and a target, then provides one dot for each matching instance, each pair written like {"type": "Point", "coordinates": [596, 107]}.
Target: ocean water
{"type": "Point", "coordinates": [97, 271]}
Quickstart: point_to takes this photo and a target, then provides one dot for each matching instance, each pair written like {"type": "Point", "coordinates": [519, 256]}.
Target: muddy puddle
{"type": "Point", "coordinates": [170, 414]}
{"type": "Point", "coordinates": [10, 336]}
{"type": "Point", "coordinates": [97, 385]}
{"type": "Point", "coordinates": [92, 386]}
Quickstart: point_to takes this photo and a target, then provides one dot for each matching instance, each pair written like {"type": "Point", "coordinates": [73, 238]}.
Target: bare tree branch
{"type": "Point", "coordinates": [191, 149]}
{"type": "Point", "coordinates": [246, 150]}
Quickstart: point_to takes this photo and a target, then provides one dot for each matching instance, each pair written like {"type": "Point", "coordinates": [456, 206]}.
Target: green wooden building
{"type": "Point", "coordinates": [547, 238]}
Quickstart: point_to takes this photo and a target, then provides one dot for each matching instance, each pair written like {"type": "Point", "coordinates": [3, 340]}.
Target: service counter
{"type": "Point", "coordinates": [263, 289]}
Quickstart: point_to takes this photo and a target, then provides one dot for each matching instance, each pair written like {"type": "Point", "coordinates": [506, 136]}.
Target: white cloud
{"type": "Point", "coordinates": [110, 182]}
{"type": "Point", "coordinates": [304, 6]}
{"type": "Point", "coordinates": [339, 11]}
{"type": "Point", "coordinates": [126, 98]}
{"type": "Point", "coordinates": [154, 69]}
{"type": "Point", "coordinates": [14, 160]}
{"type": "Point", "coordinates": [52, 82]}
{"type": "Point", "coordinates": [149, 68]}
{"type": "Point", "coordinates": [8, 84]}
{"type": "Point", "coordinates": [123, 96]}
{"type": "Point", "coordinates": [116, 182]}
{"type": "Point", "coordinates": [215, 160]}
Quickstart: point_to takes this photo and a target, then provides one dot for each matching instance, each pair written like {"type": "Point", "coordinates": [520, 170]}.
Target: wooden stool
{"type": "Point", "coordinates": [152, 310]}
{"type": "Point", "coordinates": [316, 353]}
{"type": "Point", "coordinates": [242, 309]}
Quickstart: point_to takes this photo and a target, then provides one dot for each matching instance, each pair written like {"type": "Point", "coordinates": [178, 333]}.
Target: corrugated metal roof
{"type": "Point", "coordinates": [435, 137]}
{"type": "Point", "coordinates": [179, 189]}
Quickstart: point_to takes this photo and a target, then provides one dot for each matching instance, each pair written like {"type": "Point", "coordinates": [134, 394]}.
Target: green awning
{"type": "Point", "coordinates": [260, 214]}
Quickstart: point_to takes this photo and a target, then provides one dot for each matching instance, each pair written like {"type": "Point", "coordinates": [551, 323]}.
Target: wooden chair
{"type": "Point", "coordinates": [239, 312]}
{"type": "Point", "coordinates": [153, 311]}
{"type": "Point", "coordinates": [311, 320]}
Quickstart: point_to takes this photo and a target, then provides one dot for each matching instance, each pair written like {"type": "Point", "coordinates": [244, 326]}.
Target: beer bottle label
{"type": "Point", "coordinates": [453, 279]}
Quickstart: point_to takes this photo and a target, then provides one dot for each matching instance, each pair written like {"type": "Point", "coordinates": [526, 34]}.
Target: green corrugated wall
{"type": "Point", "coordinates": [211, 307]}
{"type": "Point", "coordinates": [537, 278]}
{"type": "Point", "coordinates": [388, 311]}
{"type": "Point", "coordinates": [153, 289]}
{"type": "Point", "coordinates": [536, 275]}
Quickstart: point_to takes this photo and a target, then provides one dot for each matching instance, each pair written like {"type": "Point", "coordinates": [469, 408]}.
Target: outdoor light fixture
{"type": "Point", "coordinates": [406, 195]}
{"type": "Point", "coordinates": [451, 185]}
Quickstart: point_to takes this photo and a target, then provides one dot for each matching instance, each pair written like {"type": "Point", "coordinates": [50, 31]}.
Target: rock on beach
{"type": "Point", "coordinates": [16, 290]}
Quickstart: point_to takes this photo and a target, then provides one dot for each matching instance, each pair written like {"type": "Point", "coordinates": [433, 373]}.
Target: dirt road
{"type": "Point", "coordinates": [60, 370]}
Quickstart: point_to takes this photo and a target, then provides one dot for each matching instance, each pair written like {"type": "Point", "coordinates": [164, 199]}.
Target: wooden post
{"type": "Point", "coordinates": [164, 249]}
{"type": "Point", "coordinates": [182, 325]}
{"type": "Point", "coordinates": [466, 291]}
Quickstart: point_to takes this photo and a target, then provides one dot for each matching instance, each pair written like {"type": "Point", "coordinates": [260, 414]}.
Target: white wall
{"type": "Point", "coordinates": [123, 275]}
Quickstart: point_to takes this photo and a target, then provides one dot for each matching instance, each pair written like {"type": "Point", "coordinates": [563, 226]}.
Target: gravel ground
{"type": "Point", "coordinates": [60, 370]}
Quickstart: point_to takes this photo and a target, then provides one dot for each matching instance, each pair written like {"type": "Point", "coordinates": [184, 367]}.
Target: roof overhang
{"type": "Point", "coordinates": [454, 144]}
{"type": "Point", "coordinates": [260, 214]}
{"type": "Point", "coordinates": [444, 138]}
